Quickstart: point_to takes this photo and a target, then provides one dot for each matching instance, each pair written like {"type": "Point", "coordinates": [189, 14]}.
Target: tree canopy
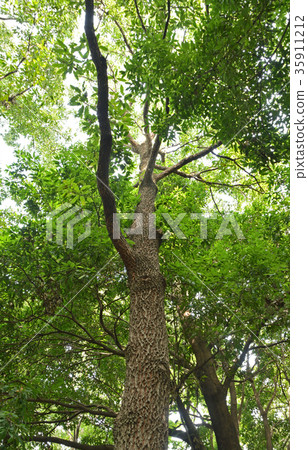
{"type": "Point", "coordinates": [175, 110]}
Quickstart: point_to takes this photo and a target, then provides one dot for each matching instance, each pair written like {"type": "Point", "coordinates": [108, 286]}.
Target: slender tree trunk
{"type": "Point", "coordinates": [268, 433]}
{"type": "Point", "coordinates": [264, 415]}
{"type": "Point", "coordinates": [215, 397]}
{"type": "Point", "coordinates": [213, 391]}
{"type": "Point", "coordinates": [192, 432]}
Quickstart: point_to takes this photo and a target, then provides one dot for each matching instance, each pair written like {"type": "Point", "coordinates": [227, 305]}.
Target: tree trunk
{"type": "Point", "coordinates": [224, 429]}
{"type": "Point", "coordinates": [264, 415]}
{"type": "Point", "coordinates": [192, 432]}
{"type": "Point", "coordinates": [142, 422]}
{"type": "Point", "coordinates": [213, 391]}
{"type": "Point", "coordinates": [268, 432]}
{"type": "Point", "coordinates": [215, 397]}
{"type": "Point", "coordinates": [234, 414]}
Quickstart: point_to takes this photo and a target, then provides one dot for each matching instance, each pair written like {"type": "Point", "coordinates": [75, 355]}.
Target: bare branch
{"type": "Point", "coordinates": [69, 443]}
{"type": "Point", "coordinates": [237, 364]}
{"type": "Point", "coordinates": [167, 21]}
{"type": "Point", "coordinates": [140, 18]}
{"type": "Point", "coordinates": [216, 206]}
{"type": "Point", "coordinates": [7, 18]}
{"type": "Point", "coordinates": [120, 29]}
{"type": "Point", "coordinates": [97, 410]}
{"type": "Point", "coordinates": [192, 431]}
{"type": "Point", "coordinates": [13, 71]}
{"type": "Point", "coordinates": [12, 98]}
{"type": "Point", "coordinates": [124, 37]}
{"type": "Point", "coordinates": [240, 167]}
{"type": "Point", "coordinates": [187, 160]}
{"type": "Point", "coordinates": [273, 344]}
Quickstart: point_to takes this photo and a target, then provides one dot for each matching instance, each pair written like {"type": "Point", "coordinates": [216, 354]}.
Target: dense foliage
{"type": "Point", "coordinates": [211, 80]}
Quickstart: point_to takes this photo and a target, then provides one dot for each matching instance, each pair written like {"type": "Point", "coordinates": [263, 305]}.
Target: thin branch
{"type": "Point", "coordinates": [269, 345]}
{"type": "Point", "coordinates": [113, 335]}
{"type": "Point", "coordinates": [7, 18]}
{"type": "Point", "coordinates": [124, 37]}
{"type": "Point", "coordinates": [240, 167]}
{"type": "Point", "coordinates": [268, 406]}
{"type": "Point", "coordinates": [183, 145]}
{"type": "Point", "coordinates": [134, 144]}
{"type": "Point", "coordinates": [67, 443]}
{"type": "Point", "coordinates": [90, 335]}
{"type": "Point", "coordinates": [140, 18]}
{"type": "Point", "coordinates": [13, 71]}
{"type": "Point", "coordinates": [20, 62]}
{"type": "Point", "coordinates": [237, 364]}
{"type": "Point", "coordinates": [192, 431]}
{"type": "Point", "coordinates": [216, 183]}
{"type": "Point", "coordinates": [120, 29]}
{"type": "Point", "coordinates": [216, 206]}
{"type": "Point", "coordinates": [168, 19]}
{"type": "Point", "coordinates": [67, 419]}
{"type": "Point", "coordinates": [187, 160]}
{"type": "Point", "coordinates": [281, 39]}
{"type": "Point", "coordinates": [12, 98]}
{"type": "Point", "coordinates": [79, 337]}
{"type": "Point", "coordinates": [80, 407]}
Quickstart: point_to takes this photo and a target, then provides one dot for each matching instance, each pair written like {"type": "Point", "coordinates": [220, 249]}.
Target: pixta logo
{"type": "Point", "coordinates": [147, 225]}
{"type": "Point", "coordinates": [75, 214]}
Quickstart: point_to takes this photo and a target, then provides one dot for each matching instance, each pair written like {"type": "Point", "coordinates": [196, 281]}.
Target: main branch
{"type": "Point", "coordinates": [102, 173]}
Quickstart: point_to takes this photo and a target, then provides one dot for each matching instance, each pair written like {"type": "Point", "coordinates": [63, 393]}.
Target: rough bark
{"type": "Point", "coordinates": [142, 422]}
{"type": "Point", "coordinates": [143, 419]}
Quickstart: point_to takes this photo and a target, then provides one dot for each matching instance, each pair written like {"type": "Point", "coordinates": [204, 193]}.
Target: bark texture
{"type": "Point", "coordinates": [142, 422]}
